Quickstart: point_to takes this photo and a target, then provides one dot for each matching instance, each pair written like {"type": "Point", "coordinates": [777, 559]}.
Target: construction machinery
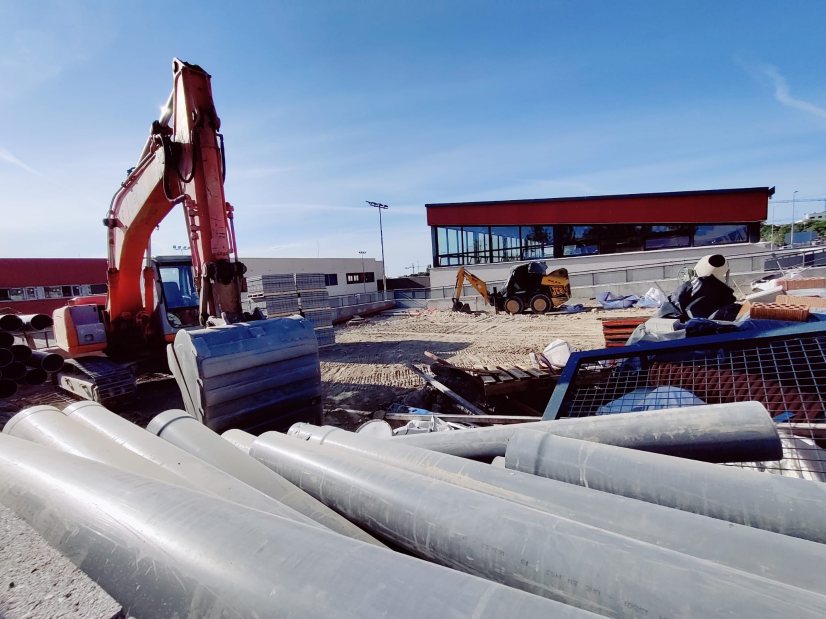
{"type": "Point", "coordinates": [234, 369]}
{"type": "Point", "coordinates": [529, 286]}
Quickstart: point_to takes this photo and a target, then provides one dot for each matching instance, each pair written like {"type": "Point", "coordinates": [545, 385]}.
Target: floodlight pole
{"type": "Point", "coordinates": [363, 274]}
{"type": "Point", "coordinates": [381, 207]}
{"type": "Point", "coordinates": [791, 238]}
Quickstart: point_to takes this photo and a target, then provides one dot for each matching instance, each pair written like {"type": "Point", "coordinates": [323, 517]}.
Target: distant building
{"type": "Point", "coordinates": [41, 285]}
{"type": "Point", "coordinates": [814, 216]}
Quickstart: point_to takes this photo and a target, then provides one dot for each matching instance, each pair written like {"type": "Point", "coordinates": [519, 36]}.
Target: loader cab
{"type": "Point", "coordinates": [176, 293]}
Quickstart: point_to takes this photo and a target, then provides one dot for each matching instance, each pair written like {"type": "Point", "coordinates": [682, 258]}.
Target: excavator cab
{"type": "Point", "coordinates": [178, 297]}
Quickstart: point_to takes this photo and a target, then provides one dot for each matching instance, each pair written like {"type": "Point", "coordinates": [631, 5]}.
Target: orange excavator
{"type": "Point", "coordinates": [234, 369]}
{"type": "Point", "coordinates": [528, 286]}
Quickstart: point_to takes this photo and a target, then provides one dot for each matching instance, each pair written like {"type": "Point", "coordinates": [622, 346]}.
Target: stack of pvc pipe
{"type": "Point", "coordinates": [19, 364]}
{"type": "Point", "coordinates": [290, 525]}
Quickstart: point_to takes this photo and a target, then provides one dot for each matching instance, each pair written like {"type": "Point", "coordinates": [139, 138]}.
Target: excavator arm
{"type": "Point", "coordinates": [181, 163]}
{"type": "Point", "coordinates": [481, 287]}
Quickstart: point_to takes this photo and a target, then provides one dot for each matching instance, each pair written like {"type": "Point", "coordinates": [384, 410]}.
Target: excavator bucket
{"type": "Point", "coordinates": [256, 376]}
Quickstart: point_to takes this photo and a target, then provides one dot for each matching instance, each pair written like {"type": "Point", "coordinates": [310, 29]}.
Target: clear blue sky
{"type": "Point", "coordinates": [327, 104]}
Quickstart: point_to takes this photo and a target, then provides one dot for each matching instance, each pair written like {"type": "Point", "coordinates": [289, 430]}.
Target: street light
{"type": "Point", "coordinates": [794, 199]}
{"type": "Point", "coordinates": [363, 274]}
{"type": "Point", "coordinates": [381, 207]}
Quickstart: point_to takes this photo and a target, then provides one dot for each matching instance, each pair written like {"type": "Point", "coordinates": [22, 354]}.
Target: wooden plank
{"type": "Point", "coordinates": [437, 358]}
{"type": "Point", "coordinates": [447, 391]}
{"type": "Point", "coordinates": [503, 376]}
{"type": "Point", "coordinates": [475, 419]}
{"type": "Point", "coordinates": [488, 380]}
{"type": "Point", "coordinates": [516, 373]}
{"type": "Point", "coordinates": [536, 373]}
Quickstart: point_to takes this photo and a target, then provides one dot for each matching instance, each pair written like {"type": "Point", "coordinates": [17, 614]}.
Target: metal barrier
{"type": "Point", "coordinates": [785, 369]}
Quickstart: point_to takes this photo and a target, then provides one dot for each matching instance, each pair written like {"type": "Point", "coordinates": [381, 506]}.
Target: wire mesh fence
{"type": "Point", "coordinates": [784, 369]}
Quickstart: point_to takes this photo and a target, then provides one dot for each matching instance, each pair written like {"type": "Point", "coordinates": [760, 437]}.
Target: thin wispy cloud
{"type": "Point", "coordinates": [784, 96]}
{"type": "Point", "coordinates": [11, 159]}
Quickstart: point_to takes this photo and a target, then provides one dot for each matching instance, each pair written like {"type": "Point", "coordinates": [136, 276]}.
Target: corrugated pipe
{"type": "Point", "coordinates": [48, 361]}
{"type": "Point", "coordinates": [7, 388]}
{"type": "Point", "coordinates": [6, 339]}
{"type": "Point", "coordinates": [36, 322]}
{"type": "Point", "coordinates": [10, 322]}
{"type": "Point", "coordinates": [778, 557]}
{"type": "Point", "coordinates": [186, 432]}
{"type": "Point", "coordinates": [21, 352]}
{"type": "Point", "coordinates": [166, 551]}
{"type": "Point", "coordinates": [522, 547]}
{"type": "Point", "coordinates": [781, 504]}
{"type": "Point", "coordinates": [34, 376]}
{"type": "Point", "coordinates": [733, 432]}
{"type": "Point", "coordinates": [14, 371]}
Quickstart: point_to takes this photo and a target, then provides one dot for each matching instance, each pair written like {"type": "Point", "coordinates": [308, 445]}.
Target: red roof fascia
{"type": "Point", "coordinates": [653, 209]}
{"type": "Point", "coordinates": [18, 272]}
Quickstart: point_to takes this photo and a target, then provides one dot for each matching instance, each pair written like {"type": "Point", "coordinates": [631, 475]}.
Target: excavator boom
{"type": "Point", "coordinates": [233, 372]}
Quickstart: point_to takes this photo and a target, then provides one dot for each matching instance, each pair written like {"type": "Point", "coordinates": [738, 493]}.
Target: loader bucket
{"type": "Point", "coordinates": [256, 376]}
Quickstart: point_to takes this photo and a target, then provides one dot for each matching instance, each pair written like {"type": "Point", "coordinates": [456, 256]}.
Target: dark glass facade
{"type": "Point", "coordinates": [457, 245]}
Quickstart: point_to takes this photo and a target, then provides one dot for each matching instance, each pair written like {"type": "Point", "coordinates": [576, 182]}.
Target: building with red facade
{"type": "Point", "coordinates": [40, 285]}
{"type": "Point", "coordinates": [467, 233]}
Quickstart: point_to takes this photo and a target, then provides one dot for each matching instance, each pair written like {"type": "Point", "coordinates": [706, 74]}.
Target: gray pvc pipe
{"type": "Point", "coordinates": [781, 504]}
{"type": "Point", "coordinates": [732, 432]}
{"type": "Point", "coordinates": [525, 548]}
{"type": "Point", "coordinates": [167, 551]}
{"type": "Point", "coordinates": [205, 477]}
{"type": "Point", "coordinates": [239, 439]}
{"type": "Point", "coordinates": [47, 426]}
{"type": "Point", "coordinates": [182, 430]}
{"type": "Point", "coordinates": [785, 559]}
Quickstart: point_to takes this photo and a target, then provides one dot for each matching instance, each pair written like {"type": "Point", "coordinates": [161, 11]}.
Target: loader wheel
{"type": "Point", "coordinates": [540, 303]}
{"type": "Point", "coordinates": [514, 305]}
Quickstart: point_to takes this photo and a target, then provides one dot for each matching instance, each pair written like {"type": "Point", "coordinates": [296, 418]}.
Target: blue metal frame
{"type": "Point", "coordinates": [728, 340]}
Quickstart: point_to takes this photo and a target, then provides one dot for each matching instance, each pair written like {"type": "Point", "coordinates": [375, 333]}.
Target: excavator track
{"type": "Point", "coordinates": [98, 379]}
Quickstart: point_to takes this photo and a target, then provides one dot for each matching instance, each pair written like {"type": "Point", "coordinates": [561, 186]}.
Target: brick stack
{"type": "Point", "coordinates": [315, 305]}
{"type": "Point", "coordinates": [275, 295]}
{"type": "Point", "coordinates": [292, 293]}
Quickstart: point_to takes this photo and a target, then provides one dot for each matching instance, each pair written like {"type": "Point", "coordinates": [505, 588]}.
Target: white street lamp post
{"type": "Point", "coordinates": [381, 207]}
{"type": "Point", "coordinates": [791, 238]}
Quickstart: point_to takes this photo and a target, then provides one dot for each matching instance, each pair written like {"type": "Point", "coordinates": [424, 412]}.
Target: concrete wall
{"type": "Point", "coordinates": [339, 266]}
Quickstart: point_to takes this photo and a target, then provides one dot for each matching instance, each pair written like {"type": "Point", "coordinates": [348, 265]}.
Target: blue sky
{"type": "Point", "coordinates": [327, 104]}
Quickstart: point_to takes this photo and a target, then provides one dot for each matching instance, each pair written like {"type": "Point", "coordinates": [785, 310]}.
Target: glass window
{"type": "Point", "coordinates": [476, 244]}
{"type": "Point", "coordinates": [537, 242]}
{"type": "Point", "coordinates": [369, 277]}
{"type": "Point", "coordinates": [663, 236]}
{"type": "Point", "coordinates": [505, 243]}
{"type": "Point", "coordinates": [53, 292]}
{"type": "Point", "coordinates": [98, 288]}
{"type": "Point", "coordinates": [178, 286]}
{"type": "Point", "coordinates": [580, 240]}
{"type": "Point", "coordinates": [448, 240]}
{"type": "Point", "coordinates": [720, 234]}
{"type": "Point", "coordinates": [11, 294]}
{"type": "Point", "coordinates": [618, 238]}
{"type": "Point", "coordinates": [331, 279]}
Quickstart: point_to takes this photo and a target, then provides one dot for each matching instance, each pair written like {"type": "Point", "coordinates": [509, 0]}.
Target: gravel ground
{"type": "Point", "coordinates": [365, 371]}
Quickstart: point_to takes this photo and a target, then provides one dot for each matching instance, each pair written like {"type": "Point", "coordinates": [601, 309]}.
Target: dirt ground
{"type": "Point", "coordinates": [364, 371]}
